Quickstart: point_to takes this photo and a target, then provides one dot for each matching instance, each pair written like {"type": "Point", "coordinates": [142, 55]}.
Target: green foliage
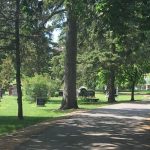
{"type": "Point", "coordinates": [7, 72]}
{"type": "Point", "coordinates": [101, 24]}
{"type": "Point", "coordinates": [102, 78]}
{"type": "Point", "coordinates": [57, 66]}
{"type": "Point", "coordinates": [39, 86]}
{"type": "Point", "coordinates": [147, 78]}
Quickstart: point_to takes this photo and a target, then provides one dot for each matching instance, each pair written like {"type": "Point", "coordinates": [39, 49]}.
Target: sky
{"type": "Point", "coordinates": [55, 35]}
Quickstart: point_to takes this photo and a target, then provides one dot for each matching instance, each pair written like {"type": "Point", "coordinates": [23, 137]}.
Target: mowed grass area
{"type": "Point", "coordinates": [122, 98]}
{"type": "Point", "coordinates": [34, 114]}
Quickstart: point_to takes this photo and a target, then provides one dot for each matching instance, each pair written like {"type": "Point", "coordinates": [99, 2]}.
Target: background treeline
{"type": "Point", "coordinates": [101, 42]}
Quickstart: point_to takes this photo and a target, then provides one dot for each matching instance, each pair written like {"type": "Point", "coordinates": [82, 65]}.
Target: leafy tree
{"type": "Point", "coordinates": [10, 32]}
{"type": "Point", "coordinates": [57, 67]}
{"type": "Point", "coordinates": [41, 86]}
{"type": "Point", "coordinates": [87, 68]}
{"type": "Point", "coordinates": [7, 72]}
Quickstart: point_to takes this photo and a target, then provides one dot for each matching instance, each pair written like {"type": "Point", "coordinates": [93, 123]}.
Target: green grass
{"type": "Point", "coordinates": [33, 114]}
{"type": "Point", "coordinates": [123, 97]}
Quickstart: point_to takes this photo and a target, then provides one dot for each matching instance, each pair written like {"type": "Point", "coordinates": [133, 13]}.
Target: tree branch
{"type": "Point", "coordinates": [52, 14]}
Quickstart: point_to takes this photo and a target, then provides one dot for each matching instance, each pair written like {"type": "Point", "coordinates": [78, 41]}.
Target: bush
{"type": "Point", "coordinates": [39, 86]}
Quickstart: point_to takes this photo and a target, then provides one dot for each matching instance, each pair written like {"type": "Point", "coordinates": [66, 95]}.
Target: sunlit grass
{"type": "Point", "coordinates": [34, 114]}
{"type": "Point", "coordinates": [103, 99]}
{"type": "Point", "coordinates": [124, 96]}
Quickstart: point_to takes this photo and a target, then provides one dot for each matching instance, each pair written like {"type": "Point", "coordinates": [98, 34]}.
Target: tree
{"type": "Point", "coordinates": [42, 17]}
{"type": "Point", "coordinates": [11, 40]}
{"type": "Point", "coordinates": [69, 93]}
{"type": "Point", "coordinates": [113, 21]}
{"type": "Point", "coordinates": [18, 61]}
{"type": "Point", "coordinates": [88, 66]}
{"type": "Point", "coordinates": [7, 72]}
{"type": "Point", "coordinates": [57, 66]}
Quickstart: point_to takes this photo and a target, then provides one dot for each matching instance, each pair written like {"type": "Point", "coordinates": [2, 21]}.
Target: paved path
{"type": "Point", "coordinates": [115, 127]}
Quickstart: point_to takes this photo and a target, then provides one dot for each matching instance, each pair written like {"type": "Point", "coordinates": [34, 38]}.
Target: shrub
{"type": "Point", "coordinates": [39, 86]}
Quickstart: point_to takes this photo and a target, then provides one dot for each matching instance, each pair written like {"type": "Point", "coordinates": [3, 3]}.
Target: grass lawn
{"type": "Point", "coordinates": [123, 97]}
{"type": "Point", "coordinates": [34, 114]}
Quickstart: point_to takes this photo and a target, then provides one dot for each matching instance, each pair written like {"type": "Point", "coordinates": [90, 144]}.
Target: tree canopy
{"type": "Point", "coordinates": [101, 43]}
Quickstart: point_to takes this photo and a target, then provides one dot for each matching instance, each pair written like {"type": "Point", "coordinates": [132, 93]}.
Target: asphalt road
{"type": "Point", "coordinates": [116, 127]}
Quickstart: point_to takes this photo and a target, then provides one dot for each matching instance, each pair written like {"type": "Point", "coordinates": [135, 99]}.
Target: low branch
{"type": "Point", "coordinates": [52, 14]}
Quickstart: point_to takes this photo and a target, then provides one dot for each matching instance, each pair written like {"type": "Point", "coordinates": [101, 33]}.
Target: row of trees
{"type": "Point", "coordinates": [115, 35]}
{"type": "Point", "coordinates": [112, 39]}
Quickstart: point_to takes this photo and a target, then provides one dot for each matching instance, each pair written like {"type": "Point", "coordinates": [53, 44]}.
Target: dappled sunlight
{"type": "Point", "coordinates": [133, 106]}
{"type": "Point", "coordinates": [114, 116]}
{"type": "Point", "coordinates": [144, 127]}
{"type": "Point", "coordinates": [102, 129]}
{"type": "Point", "coordinates": [106, 146]}
{"type": "Point", "coordinates": [106, 129]}
{"type": "Point", "coordinates": [97, 134]}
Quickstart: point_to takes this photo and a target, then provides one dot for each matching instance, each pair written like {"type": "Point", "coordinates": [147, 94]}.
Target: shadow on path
{"type": "Point", "coordinates": [116, 127]}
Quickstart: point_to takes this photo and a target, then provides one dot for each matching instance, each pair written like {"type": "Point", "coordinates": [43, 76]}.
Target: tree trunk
{"type": "Point", "coordinates": [18, 62]}
{"type": "Point", "coordinates": [69, 94]}
{"type": "Point", "coordinates": [133, 80]}
{"type": "Point", "coordinates": [111, 87]}
{"type": "Point", "coordinates": [132, 90]}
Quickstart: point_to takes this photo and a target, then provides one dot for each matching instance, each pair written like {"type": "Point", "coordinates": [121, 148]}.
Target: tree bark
{"type": "Point", "coordinates": [133, 81]}
{"type": "Point", "coordinates": [132, 91]}
{"type": "Point", "coordinates": [69, 94]}
{"type": "Point", "coordinates": [18, 62]}
{"type": "Point", "coordinates": [111, 87]}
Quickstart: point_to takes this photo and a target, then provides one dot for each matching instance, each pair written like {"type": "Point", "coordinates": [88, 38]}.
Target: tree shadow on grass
{"type": "Point", "coordinates": [10, 124]}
